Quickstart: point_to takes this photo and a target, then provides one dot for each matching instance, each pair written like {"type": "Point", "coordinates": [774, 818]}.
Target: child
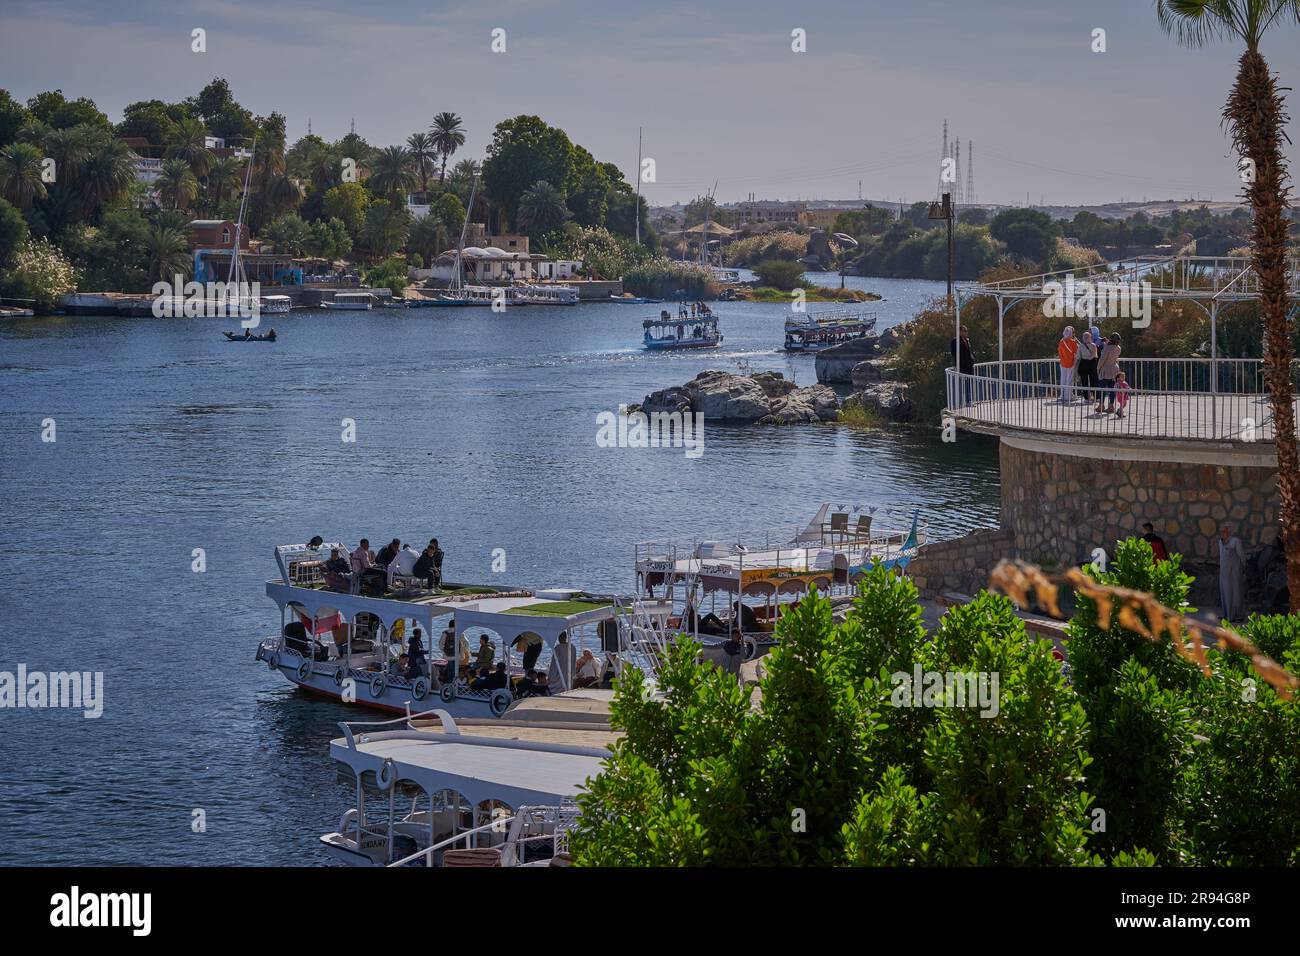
{"type": "Point", "coordinates": [1122, 388]}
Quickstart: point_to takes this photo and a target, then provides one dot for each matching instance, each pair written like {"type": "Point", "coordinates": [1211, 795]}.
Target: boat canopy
{"type": "Point", "coordinates": [480, 769]}
{"type": "Point", "coordinates": [547, 617]}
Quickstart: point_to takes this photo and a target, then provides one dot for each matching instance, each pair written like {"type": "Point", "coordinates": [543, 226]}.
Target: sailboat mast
{"type": "Point", "coordinates": [236, 272]}
{"type": "Point", "coordinates": [460, 246]}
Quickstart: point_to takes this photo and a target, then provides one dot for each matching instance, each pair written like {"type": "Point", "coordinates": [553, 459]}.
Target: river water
{"type": "Point", "coordinates": [473, 427]}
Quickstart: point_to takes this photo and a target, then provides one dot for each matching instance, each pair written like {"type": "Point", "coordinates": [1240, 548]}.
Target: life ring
{"type": "Point", "coordinates": [448, 693]}
{"type": "Point", "coordinates": [273, 661]}
{"type": "Point", "coordinates": [304, 669]}
{"type": "Point", "coordinates": [340, 672]}
{"type": "Point", "coordinates": [386, 775]}
{"type": "Point", "coordinates": [500, 701]}
{"type": "Point", "coordinates": [419, 688]}
{"type": "Point", "coordinates": [378, 684]}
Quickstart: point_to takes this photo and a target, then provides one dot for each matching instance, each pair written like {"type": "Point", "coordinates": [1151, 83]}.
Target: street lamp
{"type": "Point", "coordinates": [944, 210]}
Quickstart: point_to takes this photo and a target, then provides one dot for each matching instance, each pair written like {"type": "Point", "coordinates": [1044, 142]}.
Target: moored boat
{"type": "Point", "coordinates": [350, 301]}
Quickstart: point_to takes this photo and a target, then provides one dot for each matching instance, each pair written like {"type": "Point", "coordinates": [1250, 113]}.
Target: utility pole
{"type": "Point", "coordinates": [637, 211]}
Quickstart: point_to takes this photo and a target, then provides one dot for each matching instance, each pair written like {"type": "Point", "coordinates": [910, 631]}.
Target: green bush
{"type": "Point", "coordinates": [780, 274]}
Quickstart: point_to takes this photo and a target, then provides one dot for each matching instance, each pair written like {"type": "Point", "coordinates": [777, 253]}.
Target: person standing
{"type": "Point", "coordinates": [965, 359]}
{"type": "Point", "coordinates": [1232, 568]}
{"type": "Point", "coordinates": [362, 560]}
{"type": "Point", "coordinates": [1107, 371]}
{"type": "Point", "coordinates": [1067, 353]}
{"type": "Point", "coordinates": [1157, 543]}
{"type": "Point", "coordinates": [559, 677]}
{"type": "Point", "coordinates": [1087, 374]}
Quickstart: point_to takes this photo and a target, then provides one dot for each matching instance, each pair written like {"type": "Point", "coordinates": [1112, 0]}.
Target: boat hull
{"type": "Point", "coordinates": [681, 346]}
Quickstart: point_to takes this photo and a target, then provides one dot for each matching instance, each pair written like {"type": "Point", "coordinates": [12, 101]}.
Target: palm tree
{"type": "Point", "coordinates": [108, 172]}
{"type": "Point", "coordinates": [429, 236]}
{"type": "Point", "coordinates": [1256, 121]}
{"type": "Point", "coordinates": [20, 174]}
{"type": "Point", "coordinates": [448, 136]}
{"type": "Point", "coordinates": [69, 148]}
{"type": "Point", "coordinates": [422, 153]}
{"type": "Point", "coordinates": [176, 184]}
{"type": "Point", "coordinates": [391, 174]}
{"type": "Point", "coordinates": [168, 253]}
{"type": "Point", "coordinates": [541, 208]}
{"type": "Point", "coordinates": [224, 179]}
{"type": "Point", "coordinates": [189, 142]}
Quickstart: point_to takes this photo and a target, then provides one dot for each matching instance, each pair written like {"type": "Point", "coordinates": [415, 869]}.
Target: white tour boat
{"type": "Point", "coordinates": [821, 330]}
{"type": "Point", "coordinates": [766, 568]}
{"type": "Point", "coordinates": [276, 304]}
{"type": "Point", "coordinates": [431, 793]}
{"type": "Point", "coordinates": [537, 294]}
{"type": "Point", "coordinates": [347, 646]}
{"type": "Point", "coordinates": [350, 301]}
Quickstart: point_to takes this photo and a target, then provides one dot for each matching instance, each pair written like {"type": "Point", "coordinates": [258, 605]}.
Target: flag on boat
{"type": "Point", "coordinates": [321, 625]}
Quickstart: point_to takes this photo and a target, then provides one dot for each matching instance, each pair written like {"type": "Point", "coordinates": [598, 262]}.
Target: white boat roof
{"type": "Point", "coordinates": [479, 768]}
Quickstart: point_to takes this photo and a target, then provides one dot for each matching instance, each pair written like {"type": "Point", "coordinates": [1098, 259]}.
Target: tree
{"type": "Point", "coordinates": [1256, 118]}
{"type": "Point", "coordinates": [451, 211]}
{"type": "Point", "coordinates": [12, 117]}
{"type": "Point", "coordinates": [423, 153]}
{"type": "Point", "coordinates": [188, 141]}
{"type": "Point", "coordinates": [1027, 233]}
{"type": "Point", "coordinates": [329, 239]}
{"type": "Point", "coordinates": [38, 271]}
{"type": "Point", "coordinates": [391, 174]}
{"type": "Point", "coordinates": [13, 231]}
{"type": "Point", "coordinates": [288, 235]}
{"type": "Point", "coordinates": [176, 185]}
{"type": "Point", "coordinates": [224, 180]}
{"type": "Point", "coordinates": [524, 150]}
{"type": "Point", "coordinates": [541, 209]}
{"type": "Point", "coordinates": [54, 110]}
{"type": "Point", "coordinates": [69, 148]}
{"type": "Point", "coordinates": [780, 274]}
{"type": "Point", "coordinates": [348, 202]}
{"type": "Point", "coordinates": [385, 229]}
{"type": "Point", "coordinates": [448, 135]}
{"type": "Point", "coordinates": [107, 174]}
{"type": "Point", "coordinates": [429, 236]}
{"type": "Point", "coordinates": [20, 174]}
{"type": "Point", "coordinates": [151, 120]}
{"type": "Point", "coordinates": [168, 253]}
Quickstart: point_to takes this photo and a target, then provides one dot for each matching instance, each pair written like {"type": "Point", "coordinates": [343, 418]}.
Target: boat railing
{"type": "Point", "coordinates": [561, 818]}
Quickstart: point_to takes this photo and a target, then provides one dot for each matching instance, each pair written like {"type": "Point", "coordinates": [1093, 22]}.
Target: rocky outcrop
{"type": "Point", "coordinates": [892, 401]}
{"type": "Point", "coordinates": [836, 364]}
{"type": "Point", "coordinates": [763, 398]}
{"type": "Point", "coordinates": [868, 373]}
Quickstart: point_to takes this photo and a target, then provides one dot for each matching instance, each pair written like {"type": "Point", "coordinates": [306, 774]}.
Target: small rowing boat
{"type": "Point", "coordinates": [266, 337]}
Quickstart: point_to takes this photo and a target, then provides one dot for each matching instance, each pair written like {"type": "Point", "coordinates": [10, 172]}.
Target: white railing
{"type": "Point", "coordinates": [1199, 399]}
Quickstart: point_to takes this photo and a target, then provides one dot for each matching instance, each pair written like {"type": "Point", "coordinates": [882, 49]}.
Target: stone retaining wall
{"type": "Point", "coordinates": [1059, 507]}
{"type": "Point", "coordinates": [960, 564]}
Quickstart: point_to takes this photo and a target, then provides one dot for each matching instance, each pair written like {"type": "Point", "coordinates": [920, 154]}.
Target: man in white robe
{"type": "Point", "coordinates": [1232, 574]}
{"type": "Point", "coordinates": [563, 657]}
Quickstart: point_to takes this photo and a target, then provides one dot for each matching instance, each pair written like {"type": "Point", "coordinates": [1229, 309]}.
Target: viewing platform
{"type": "Point", "coordinates": [1171, 400]}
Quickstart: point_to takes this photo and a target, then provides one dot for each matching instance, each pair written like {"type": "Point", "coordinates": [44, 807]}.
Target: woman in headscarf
{"type": "Point", "coordinates": [1067, 352]}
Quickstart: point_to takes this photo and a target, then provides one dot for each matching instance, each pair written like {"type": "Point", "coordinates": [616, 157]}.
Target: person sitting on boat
{"type": "Point", "coordinates": [270, 336]}
{"type": "Point", "coordinates": [424, 569]}
{"type": "Point", "coordinates": [588, 670]}
{"type": "Point", "coordinates": [338, 573]}
{"type": "Point", "coordinates": [387, 553]}
{"type": "Point", "coordinates": [531, 686]}
{"type": "Point", "coordinates": [663, 315]}
{"type": "Point", "coordinates": [498, 678]}
{"type": "Point", "coordinates": [248, 333]}
{"type": "Point", "coordinates": [479, 682]}
{"type": "Point", "coordinates": [437, 560]}
{"type": "Point", "coordinates": [734, 649]}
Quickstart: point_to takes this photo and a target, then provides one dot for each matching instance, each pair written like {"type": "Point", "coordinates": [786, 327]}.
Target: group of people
{"type": "Point", "coordinates": [1232, 567]}
{"type": "Point", "coordinates": [363, 571]}
{"type": "Point", "coordinates": [1090, 363]}
{"type": "Point", "coordinates": [698, 310]}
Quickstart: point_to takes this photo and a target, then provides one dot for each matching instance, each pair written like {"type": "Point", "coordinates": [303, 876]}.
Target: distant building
{"type": "Point", "coordinates": [766, 210]}
{"type": "Point", "coordinates": [493, 264]}
{"type": "Point", "coordinates": [213, 240]}
{"type": "Point", "coordinates": [214, 234]}
{"type": "Point", "coordinates": [824, 218]}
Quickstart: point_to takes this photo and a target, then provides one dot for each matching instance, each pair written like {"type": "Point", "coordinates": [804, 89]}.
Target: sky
{"type": "Point", "coordinates": [715, 85]}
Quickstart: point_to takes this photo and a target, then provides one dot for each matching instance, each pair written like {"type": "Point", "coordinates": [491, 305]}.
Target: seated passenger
{"type": "Point", "coordinates": [498, 678]}
{"type": "Point", "coordinates": [487, 651]}
{"type": "Point", "coordinates": [533, 685]}
{"type": "Point", "coordinates": [424, 569]}
{"type": "Point", "coordinates": [481, 681]}
{"type": "Point", "coordinates": [338, 572]}
{"type": "Point", "coordinates": [588, 672]}
{"type": "Point", "coordinates": [387, 553]}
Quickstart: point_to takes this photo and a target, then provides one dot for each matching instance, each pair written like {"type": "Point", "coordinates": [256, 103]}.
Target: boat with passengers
{"type": "Point", "coordinates": [759, 576]}
{"type": "Point", "coordinates": [433, 791]}
{"type": "Point", "coordinates": [535, 293]}
{"type": "Point", "coordinates": [815, 331]}
{"type": "Point", "coordinates": [351, 640]}
{"type": "Point", "coordinates": [665, 334]}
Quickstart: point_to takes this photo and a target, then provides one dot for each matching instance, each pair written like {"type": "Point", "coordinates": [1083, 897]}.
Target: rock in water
{"type": "Point", "coordinates": [892, 400]}
{"type": "Point", "coordinates": [765, 397]}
